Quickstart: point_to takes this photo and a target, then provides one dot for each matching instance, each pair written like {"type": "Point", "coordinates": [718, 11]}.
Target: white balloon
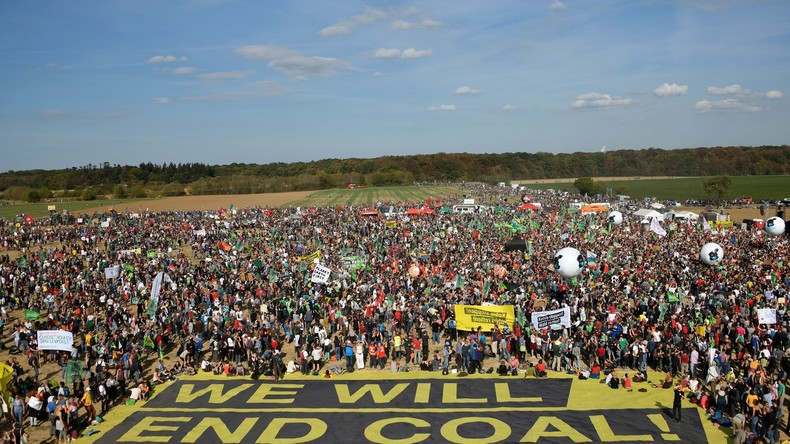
{"type": "Point", "coordinates": [615, 217]}
{"type": "Point", "coordinates": [711, 253]}
{"type": "Point", "coordinates": [569, 262]}
{"type": "Point", "coordinates": [775, 226]}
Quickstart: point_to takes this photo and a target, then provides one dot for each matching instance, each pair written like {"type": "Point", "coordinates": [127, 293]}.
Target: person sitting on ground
{"type": "Point", "coordinates": [541, 369]}
{"type": "Point", "coordinates": [595, 371]}
{"type": "Point", "coordinates": [612, 380]}
{"type": "Point", "coordinates": [503, 369]}
{"type": "Point", "coordinates": [327, 375]}
{"type": "Point", "coordinates": [205, 365]}
{"type": "Point", "coordinates": [531, 371]}
{"type": "Point", "coordinates": [145, 389]}
{"type": "Point", "coordinates": [668, 382]}
{"type": "Point", "coordinates": [639, 377]}
{"type": "Point", "coordinates": [627, 383]}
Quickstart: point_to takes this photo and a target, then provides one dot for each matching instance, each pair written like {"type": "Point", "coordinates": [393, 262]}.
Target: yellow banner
{"type": "Point", "coordinates": [469, 317]}
{"type": "Point", "coordinates": [309, 258]}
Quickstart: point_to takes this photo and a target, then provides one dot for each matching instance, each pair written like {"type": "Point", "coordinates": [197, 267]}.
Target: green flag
{"type": "Point", "coordinates": [486, 288]}
{"type": "Point", "coordinates": [32, 315]}
{"type": "Point", "coordinates": [460, 281]}
{"type": "Point", "coordinates": [151, 254]}
{"type": "Point", "coordinates": [148, 342]}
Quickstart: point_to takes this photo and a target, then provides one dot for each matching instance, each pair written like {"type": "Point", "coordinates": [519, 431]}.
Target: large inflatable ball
{"type": "Point", "coordinates": [615, 217]}
{"type": "Point", "coordinates": [569, 262]}
{"type": "Point", "coordinates": [775, 226]}
{"type": "Point", "coordinates": [711, 253]}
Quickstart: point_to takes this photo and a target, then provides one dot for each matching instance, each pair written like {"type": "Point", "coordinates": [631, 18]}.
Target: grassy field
{"type": "Point", "coordinates": [758, 187]}
{"type": "Point", "coordinates": [40, 209]}
{"type": "Point", "coordinates": [373, 195]}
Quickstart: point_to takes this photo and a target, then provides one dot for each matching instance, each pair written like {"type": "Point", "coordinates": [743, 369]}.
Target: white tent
{"type": "Point", "coordinates": [646, 213]}
{"type": "Point", "coordinates": [688, 215]}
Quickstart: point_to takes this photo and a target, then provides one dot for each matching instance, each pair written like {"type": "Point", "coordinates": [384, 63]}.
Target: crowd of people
{"type": "Point", "coordinates": [151, 296]}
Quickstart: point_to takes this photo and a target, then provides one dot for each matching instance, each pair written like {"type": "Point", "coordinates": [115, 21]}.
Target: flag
{"type": "Point", "coordinates": [610, 254]}
{"type": "Point", "coordinates": [605, 230]}
{"type": "Point", "coordinates": [112, 272]}
{"type": "Point", "coordinates": [529, 248]}
{"type": "Point", "coordinates": [672, 294]}
{"type": "Point", "coordinates": [705, 224]}
{"type": "Point", "coordinates": [391, 223]}
{"type": "Point", "coordinates": [320, 274]}
{"type": "Point", "coordinates": [148, 342]}
{"type": "Point", "coordinates": [656, 228]}
{"type": "Point", "coordinates": [32, 315]}
{"type": "Point", "coordinates": [486, 288]}
{"type": "Point", "coordinates": [151, 254]}
{"type": "Point", "coordinates": [310, 257]}
{"type": "Point", "coordinates": [592, 261]}
{"type": "Point", "coordinates": [460, 281]}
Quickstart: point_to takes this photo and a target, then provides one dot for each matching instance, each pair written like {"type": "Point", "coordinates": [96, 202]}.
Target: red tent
{"type": "Point", "coordinates": [413, 212]}
{"type": "Point", "coordinates": [529, 206]}
{"type": "Point", "coordinates": [368, 213]}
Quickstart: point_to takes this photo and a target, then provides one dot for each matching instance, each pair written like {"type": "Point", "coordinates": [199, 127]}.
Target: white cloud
{"type": "Point", "coordinates": [403, 25]}
{"type": "Point", "coordinates": [184, 70]}
{"type": "Point", "coordinates": [509, 107]}
{"type": "Point", "coordinates": [671, 89]}
{"type": "Point", "coordinates": [412, 53]}
{"type": "Point", "coordinates": [294, 64]}
{"type": "Point", "coordinates": [161, 100]}
{"type": "Point", "coordinates": [598, 100]}
{"type": "Point", "coordinates": [51, 113]}
{"type": "Point", "coordinates": [394, 53]}
{"type": "Point", "coordinates": [774, 94]}
{"type": "Point", "coordinates": [557, 5]}
{"type": "Point", "coordinates": [165, 59]}
{"type": "Point", "coordinates": [466, 90]}
{"type": "Point", "coordinates": [224, 75]}
{"type": "Point", "coordinates": [442, 108]}
{"type": "Point", "coordinates": [378, 74]}
{"type": "Point", "coordinates": [733, 89]}
{"type": "Point", "coordinates": [733, 105]}
{"type": "Point", "coordinates": [346, 27]}
{"type": "Point", "coordinates": [387, 53]}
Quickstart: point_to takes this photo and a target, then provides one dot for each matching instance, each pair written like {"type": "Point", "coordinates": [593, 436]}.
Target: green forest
{"type": "Point", "coordinates": [170, 179]}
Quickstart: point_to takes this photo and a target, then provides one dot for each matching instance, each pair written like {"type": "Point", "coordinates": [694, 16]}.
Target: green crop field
{"type": "Point", "coordinates": [757, 187]}
{"type": "Point", "coordinates": [373, 195]}
{"type": "Point", "coordinates": [9, 211]}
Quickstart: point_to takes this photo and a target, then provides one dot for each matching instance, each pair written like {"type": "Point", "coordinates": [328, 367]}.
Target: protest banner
{"type": "Point", "coordinates": [320, 274]}
{"type": "Point", "coordinates": [55, 340]}
{"type": "Point", "coordinates": [470, 317]}
{"type": "Point", "coordinates": [766, 316]}
{"type": "Point", "coordinates": [543, 320]}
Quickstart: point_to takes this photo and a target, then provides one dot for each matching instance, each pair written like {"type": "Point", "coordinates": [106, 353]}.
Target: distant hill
{"type": "Point", "coordinates": [149, 179]}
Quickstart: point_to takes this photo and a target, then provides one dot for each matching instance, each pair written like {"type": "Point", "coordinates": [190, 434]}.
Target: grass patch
{"type": "Point", "coordinates": [758, 187]}
{"type": "Point", "coordinates": [371, 195]}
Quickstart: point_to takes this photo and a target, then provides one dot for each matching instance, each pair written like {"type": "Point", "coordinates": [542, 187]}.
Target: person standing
{"type": "Point", "coordinates": [676, 403]}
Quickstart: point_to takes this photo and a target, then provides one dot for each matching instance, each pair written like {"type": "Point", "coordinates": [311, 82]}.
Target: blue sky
{"type": "Point", "coordinates": [223, 81]}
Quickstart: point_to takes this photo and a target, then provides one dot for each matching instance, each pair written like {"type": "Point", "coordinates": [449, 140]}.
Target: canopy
{"type": "Point", "coordinates": [593, 208]}
{"type": "Point", "coordinates": [368, 213]}
{"type": "Point", "coordinates": [516, 244]}
{"type": "Point", "coordinates": [413, 212]}
{"type": "Point", "coordinates": [529, 206]}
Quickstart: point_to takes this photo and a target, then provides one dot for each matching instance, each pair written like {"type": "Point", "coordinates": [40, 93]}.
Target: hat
{"type": "Point", "coordinates": [87, 389]}
{"type": "Point", "coordinates": [721, 393]}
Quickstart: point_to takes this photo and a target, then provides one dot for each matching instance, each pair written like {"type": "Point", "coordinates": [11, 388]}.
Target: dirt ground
{"type": "Point", "coordinates": [214, 202]}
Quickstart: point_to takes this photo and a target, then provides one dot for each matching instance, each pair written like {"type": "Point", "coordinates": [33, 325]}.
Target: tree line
{"type": "Point", "coordinates": [150, 179]}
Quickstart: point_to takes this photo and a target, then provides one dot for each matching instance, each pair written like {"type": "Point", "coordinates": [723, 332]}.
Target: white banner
{"type": "Point", "coordinates": [321, 274]}
{"type": "Point", "coordinates": [199, 233]}
{"type": "Point", "coordinates": [656, 228]}
{"type": "Point", "coordinates": [544, 320]}
{"type": "Point", "coordinates": [766, 316]}
{"type": "Point", "coordinates": [55, 340]}
{"type": "Point", "coordinates": [112, 272]}
{"type": "Point", "coordinates": [105, 224]}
